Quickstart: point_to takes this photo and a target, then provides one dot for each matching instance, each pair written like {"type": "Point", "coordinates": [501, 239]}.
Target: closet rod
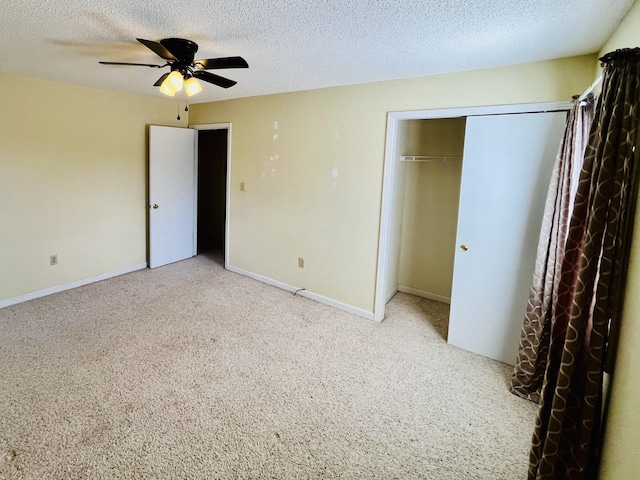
{"type": "Point", "coordinates": [428, 158]}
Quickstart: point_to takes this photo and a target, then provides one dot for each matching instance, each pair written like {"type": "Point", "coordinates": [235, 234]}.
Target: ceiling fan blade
{"type": "Point", "coordinates": [213, 78]}
{"type": "Point", "coordinates": [226, 62]}
{"type": "Point", "coordinates": [157, 48]}
{"type": "Point", "coordinates": [161, 79]}
{"type": "Point", "coordinates": [136, 64]}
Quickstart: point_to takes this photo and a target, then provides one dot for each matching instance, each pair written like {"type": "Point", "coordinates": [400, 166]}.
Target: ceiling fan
{"type": "Point", "coordinates": [179, 54]}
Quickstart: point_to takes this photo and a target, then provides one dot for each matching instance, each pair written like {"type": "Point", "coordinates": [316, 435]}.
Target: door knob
{"type": "Point", "coordinates": [155, 205]}
{"type": "Point", "coordinates": [464, 248]}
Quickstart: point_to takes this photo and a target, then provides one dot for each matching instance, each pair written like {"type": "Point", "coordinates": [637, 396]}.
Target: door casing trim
{"type": "Point", "coordinates": [215, 126]}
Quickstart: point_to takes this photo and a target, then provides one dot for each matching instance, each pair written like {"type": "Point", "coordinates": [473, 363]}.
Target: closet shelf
{"type": "Point", "coordinates": [429, 158]}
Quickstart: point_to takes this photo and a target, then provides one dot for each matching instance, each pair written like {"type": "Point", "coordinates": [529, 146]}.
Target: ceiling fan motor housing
{"type": "Point", "coordinates": [183, 50]}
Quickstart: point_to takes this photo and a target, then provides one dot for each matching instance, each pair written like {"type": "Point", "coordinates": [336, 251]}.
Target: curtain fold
{"type": "Point", "coordinates": [531, 363]}
{"type": "Point", "coordinates": [566, 437]}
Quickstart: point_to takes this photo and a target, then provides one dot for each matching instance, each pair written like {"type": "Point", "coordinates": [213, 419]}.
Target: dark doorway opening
{"type": "Point", "coordinates": [212, 191]}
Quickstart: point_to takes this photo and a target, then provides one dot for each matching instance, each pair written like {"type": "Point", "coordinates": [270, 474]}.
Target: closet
{"type": "Point", "coordinates": [430, 168]}
{"type": "Point", "coordinates": [467, 196]}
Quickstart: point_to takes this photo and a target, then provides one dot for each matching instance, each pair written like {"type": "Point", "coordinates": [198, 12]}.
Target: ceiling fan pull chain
{"type": "Point", "coordinates": [178, 118]}
{"type": "Point", "coordinates": [186, 107]}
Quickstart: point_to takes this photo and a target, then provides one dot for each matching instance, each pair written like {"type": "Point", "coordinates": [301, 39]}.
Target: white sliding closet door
{"type": "Point", "coordinates": [506, 169]}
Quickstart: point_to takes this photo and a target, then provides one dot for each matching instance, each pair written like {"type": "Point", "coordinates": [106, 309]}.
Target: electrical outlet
{"type": "Point", "coordinates": [242, 186]}
{"type": "Point", "coordinates": [301, 262]}
{"type": "Point", "coordinates": [53, 260]}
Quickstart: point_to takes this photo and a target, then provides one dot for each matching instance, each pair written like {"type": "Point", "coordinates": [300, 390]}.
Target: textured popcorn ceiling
{"type": "Point", "coordinates": [295, 45]}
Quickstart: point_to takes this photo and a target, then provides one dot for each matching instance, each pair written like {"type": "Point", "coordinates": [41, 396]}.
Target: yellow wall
{"type": "Point", "coordinates": [431, 207]}
{"type": "Point", "coordinates": [73, 173]}
{"type": "Point", "coordinates": [312, 163]}
{"type": "Point", "coordinates": [72, 181]}
{"type": "Point", "coordinates": [622, 437]}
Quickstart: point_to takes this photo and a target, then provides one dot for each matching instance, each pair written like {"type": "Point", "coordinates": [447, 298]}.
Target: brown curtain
{"type": "Point", "coordinates": [566, 438]}
{"type": "Point", "coordinates": [536, 329]}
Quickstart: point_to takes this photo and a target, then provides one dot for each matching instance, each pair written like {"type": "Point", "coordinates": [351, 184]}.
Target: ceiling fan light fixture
{"type": "Point", "coordinates": [192, 86]}
{"type": "Point", "coordinates": [167, 89]}
{"type": "Point", "coordinates": [176, 80]}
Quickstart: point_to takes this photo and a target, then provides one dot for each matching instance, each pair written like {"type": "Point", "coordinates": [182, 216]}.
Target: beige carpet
{"type": "Point", "coordinates": [191, 372]}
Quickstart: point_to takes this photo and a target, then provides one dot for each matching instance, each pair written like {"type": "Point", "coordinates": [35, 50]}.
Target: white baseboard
{"type": "Point", "coordinates": [68, 286]}
{"type": "Point", "coordinates": [423, 294]}
{"type": "Point", "coordinates": [304, 293]}
{"type": "Point", "coordinates": [390, 296]}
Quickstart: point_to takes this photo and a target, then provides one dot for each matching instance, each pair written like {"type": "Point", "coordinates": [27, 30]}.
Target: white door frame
{"type": "Point", "coordinates": [390, 166]}
{"type": "Point", "coordinates": [216, 126]}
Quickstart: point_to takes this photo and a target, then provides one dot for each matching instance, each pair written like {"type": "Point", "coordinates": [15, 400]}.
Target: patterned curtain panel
{"type": "Point", "coordinates": [566, 438]}
{"type": "Point", "coordinates": [536, 330]}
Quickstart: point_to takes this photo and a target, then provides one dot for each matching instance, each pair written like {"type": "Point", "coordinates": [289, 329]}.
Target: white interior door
{"type": "Point", "coordinates": [506, 169]}
{"type": "Point", "coordinates": [171, 194]}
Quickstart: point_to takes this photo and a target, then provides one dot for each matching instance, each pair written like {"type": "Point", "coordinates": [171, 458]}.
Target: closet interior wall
{"type": "Point", "coordinates": [429, 207]}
